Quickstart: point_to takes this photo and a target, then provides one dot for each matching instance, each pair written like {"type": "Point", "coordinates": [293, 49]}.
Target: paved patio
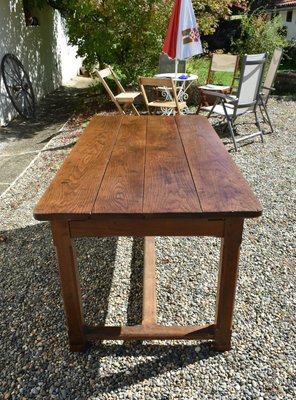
{"type": "Point", "coordinates": [22, 140]}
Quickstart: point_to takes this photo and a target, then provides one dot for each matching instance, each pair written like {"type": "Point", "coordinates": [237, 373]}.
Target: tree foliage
{"type": "Point", "coordinates": [126, 34]}
{"type": "Point", "coordinates": [129, 34]}
{"type": "Point", "coordinates": [210, 12]}
{"type": "Point", "coordinates": [259, 34]}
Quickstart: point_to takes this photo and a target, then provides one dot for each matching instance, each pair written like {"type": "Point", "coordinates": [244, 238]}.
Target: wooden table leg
{"type": "Point", "coordinates": [70, 284]}
{"type": "Point", "coordinates": [229, 260]}
{"type": "Point", "coordinates": [149, 282]}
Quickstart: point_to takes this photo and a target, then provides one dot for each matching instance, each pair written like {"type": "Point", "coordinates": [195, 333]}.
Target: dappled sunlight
{"type": "Point", "coordinates": [42, 50]}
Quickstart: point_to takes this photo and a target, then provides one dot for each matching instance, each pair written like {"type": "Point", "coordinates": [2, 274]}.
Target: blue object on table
{"type": "Point", "coordinates": [183, 77]}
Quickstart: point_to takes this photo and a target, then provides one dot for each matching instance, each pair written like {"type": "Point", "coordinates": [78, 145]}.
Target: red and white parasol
{"type": "Point", "coordinates": [182, 39]}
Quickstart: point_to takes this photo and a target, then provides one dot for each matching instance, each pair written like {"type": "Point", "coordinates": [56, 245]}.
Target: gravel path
{"type": "Point", "coordinates": [35, 362]}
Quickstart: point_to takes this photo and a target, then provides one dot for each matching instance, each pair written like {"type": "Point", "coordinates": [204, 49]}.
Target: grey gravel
{"type": "Point", "coordinates": [35, 362]}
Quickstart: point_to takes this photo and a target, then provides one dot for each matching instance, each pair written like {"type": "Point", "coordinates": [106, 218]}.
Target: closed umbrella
{"type": "Point", "coordinates": [182, 38]}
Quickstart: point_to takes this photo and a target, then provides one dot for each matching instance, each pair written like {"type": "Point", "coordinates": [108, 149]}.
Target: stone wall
{"type": "Point", "coordinates": [285, 83]}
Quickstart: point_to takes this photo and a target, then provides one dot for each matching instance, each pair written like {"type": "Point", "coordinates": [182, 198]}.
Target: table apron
{"type": "Point", "coordinates": [147, 227]}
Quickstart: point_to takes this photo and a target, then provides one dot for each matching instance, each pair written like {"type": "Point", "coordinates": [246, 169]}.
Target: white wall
{"type": "Point", "coordinates": [42, 49]}
{"type": "Point", "coordinates": [291, 26]}
{"type": "Point", "coordinates": [69, 63]}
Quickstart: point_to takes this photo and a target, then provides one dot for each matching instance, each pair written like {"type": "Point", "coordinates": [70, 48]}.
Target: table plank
{"type": "Point", "coordinates": [221, 187]}
{"type": "Point", "coordinates": [169, 187]}
{"type": "Point", "coordinates": [73, 190]}
{"type": "Point", "coordinates": [153, 166]}
{"type": "Point", "coordinates": [121, 191]}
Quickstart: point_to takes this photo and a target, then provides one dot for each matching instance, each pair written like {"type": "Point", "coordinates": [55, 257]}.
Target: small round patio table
{"type": "Point", "coordinates": [183, 82]}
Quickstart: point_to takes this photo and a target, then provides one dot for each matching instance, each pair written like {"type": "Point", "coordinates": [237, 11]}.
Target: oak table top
{"type": "Point", "coordinates": [149, 166]}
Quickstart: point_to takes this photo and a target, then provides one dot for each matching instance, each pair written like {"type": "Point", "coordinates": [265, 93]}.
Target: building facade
{"type": "Point", "coordinates": [38, 38]}
{"type": "Point", "coordinates": [287, 10]}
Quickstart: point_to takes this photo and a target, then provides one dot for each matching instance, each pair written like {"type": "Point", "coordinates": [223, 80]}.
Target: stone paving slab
{"type": "Point", "coordinates": [21, 140]}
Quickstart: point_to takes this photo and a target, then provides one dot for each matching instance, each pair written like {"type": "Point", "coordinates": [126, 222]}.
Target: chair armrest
{"type": "Point", "coordinates": [268, 88]}
{"type": "Point", "coordinates": [221, 96]}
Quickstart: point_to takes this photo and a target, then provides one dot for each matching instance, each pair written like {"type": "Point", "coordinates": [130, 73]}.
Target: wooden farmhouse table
{"type": "Point", "coordinates": [148, 176]}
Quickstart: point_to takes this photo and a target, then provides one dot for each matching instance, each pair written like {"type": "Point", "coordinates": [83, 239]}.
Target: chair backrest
{"type": "Point", "coordinates": [223, 63]}
{"type": "Point", "coordinates": [250, 81]}
{"type": "Point", "coordinates": [154, 84]}
{"type": "Point", "coordinates": [166, 64]}
{"type": "Point", "coordinates": [271, 74]}
{"type": "Point", "coordinates": [108, 73]}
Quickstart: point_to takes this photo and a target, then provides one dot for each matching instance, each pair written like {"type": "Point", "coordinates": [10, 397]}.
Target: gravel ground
{"type": "Point", "coordinates": [35, 361]}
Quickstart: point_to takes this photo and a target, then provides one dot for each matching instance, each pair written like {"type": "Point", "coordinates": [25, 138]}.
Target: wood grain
{"type": "Point", "coordinates": [169, 187]}
{"type": "Point", "coordinates": [128, 226]}
{"type": "Point", "coordinates": [148, 166]}
{"type": "Point", "coordinates": [70, 285]}
{"type": "Point", "coordinates": [74, 189]}
{"type": "Point", "coordinates": [149, 283]}
{"type": "Point", "coordinates": [226, 288]}
{"type": "Point", "coordinates": [219, 183]}
{"type": "Point", "coordinates": [143, 332]}
{"type": "Point", "coordinates": [122, 188]}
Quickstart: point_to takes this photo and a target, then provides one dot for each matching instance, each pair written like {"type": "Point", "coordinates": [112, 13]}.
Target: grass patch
{"type": "Point", "coordinates": [200, 67]}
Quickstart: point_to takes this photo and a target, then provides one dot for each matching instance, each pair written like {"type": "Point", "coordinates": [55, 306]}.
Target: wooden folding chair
{"type": "Point", "coordinates": [168, 105]}
{"type": "Point", "coordinates": [225, 63]}
{"type": "Point", "coordinates": [123, 99]}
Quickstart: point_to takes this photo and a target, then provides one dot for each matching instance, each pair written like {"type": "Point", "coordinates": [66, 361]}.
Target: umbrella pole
{"type": "Point", "coordinates": [176, 67]}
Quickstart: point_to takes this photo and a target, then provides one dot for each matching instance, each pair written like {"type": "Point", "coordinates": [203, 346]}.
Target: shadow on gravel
{"type": "Point", "coordinates": [33, 335]}
{"type": "Point", "coordinates": [150, 360]}
{"type": "Point", "coordinates": [242, 128]}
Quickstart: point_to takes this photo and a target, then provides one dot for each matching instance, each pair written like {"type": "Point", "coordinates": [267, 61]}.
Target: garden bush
{"type": "Point", "coordinates": [259, 34]}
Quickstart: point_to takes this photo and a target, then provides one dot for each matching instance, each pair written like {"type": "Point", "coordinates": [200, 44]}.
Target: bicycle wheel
{"type": "Point", "coordinates": [18, 86]}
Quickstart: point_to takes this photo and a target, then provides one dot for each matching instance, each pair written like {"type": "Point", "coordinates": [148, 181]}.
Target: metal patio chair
{"type": "Point", "coordinates": [123, 99]}
{"type": "Point", "coordinates": [267, 86]}
{"type": "Point", "coordinates": [246, 100]}
{"type": "Point", "coordinates": [219, 63]}
{"type": "Point", "coordinates": [170, 104]}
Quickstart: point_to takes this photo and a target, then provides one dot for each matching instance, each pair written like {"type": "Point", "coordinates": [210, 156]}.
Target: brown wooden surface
{"type": "Point", "coordinates": [70, 284]}
{"type": "Point", "coordinates": [220, 185]}
{"type": "Point", "coordinates": [75, 187]}
{"type": "Point", "coordinates": [149, 282]}
{"type": "Point", "coordinates": [168, 183]}
{"type": "Point", "coordinates": [146, 332]}
{"type": "Point", "coordinates": [228, 272]}
{"type": "Point", "coordinates": [148, 166]}
{"type": "Point", "coordinates": [147, 176]}
{"type": "Point", "coordinates": [122, 188]}
{"type": "Point", "coordinates": [147, 226]}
